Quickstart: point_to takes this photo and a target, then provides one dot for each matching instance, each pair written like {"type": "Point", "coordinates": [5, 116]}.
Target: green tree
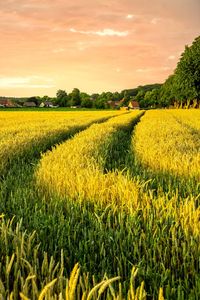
{"type": "Point", "coordinates": [84, 95]}
{"type": "Point", "coordinates": [61, 98]}
{"type": "Point", "coordinates": [126, 98]}
{"type": "Point", "coordinates": [187, 73]}
{"type": "Point", "coordinates": [74, 97]}
{"type": "Point", "coordinates": [183, 87]}
{"type": "Point", "coordinates": [86, 102]}
{"type": "Point", "coordinates": [140, 95]}
{"type": "Point", "coordinates": [116, 96]}
{"type": "Point", "coordinates": [148, 99]}
{"type": "Point", "coordinates": [100, 103]}
{"type": "Point", "coordinates": [94, 96]}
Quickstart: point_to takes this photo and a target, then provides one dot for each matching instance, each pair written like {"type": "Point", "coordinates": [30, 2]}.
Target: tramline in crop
{"type": "Point", "coordinates": [75, 169]}
{"type": "Point", "coordinates": [30, 132]}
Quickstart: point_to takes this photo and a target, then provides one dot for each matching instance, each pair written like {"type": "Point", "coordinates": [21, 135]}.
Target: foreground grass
{"type": "Point", "coordinates": [100, 240]}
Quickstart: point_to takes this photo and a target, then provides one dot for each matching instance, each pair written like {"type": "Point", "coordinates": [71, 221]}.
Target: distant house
{"type": "Point", "coordinates": [29, 104]}
{"type": "Point", "coordinates": [42, 104]}
{"type": "Point", "coordinates": [48, 104]}
{"type": "Point", "coordinates": [133, 105]}
{"type": "Point", "coordinates": [6, 103]}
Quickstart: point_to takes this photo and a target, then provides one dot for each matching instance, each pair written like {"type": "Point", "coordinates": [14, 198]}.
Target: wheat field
{"type": "Point", "coordinates": [100, 205]}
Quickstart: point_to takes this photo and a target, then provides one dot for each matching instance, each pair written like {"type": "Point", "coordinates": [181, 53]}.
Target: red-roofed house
{"type": "Point", "coordinates": [6, 103]}
{"type": "Point", "coordinates": [133, 105]}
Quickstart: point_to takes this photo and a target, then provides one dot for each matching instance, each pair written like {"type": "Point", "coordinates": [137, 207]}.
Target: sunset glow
{"type": "Point", "coordinates": [101, 45]}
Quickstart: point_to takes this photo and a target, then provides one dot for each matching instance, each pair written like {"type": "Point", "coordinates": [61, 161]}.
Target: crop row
{"type": "Point", "coordinates": [165, 144]}
{"type": "Point", "coordinates": [30, 133]}
{"type": "Point", "coordinates": [75, 169]}
{"type": "Point", "coordinates": [189, 118]}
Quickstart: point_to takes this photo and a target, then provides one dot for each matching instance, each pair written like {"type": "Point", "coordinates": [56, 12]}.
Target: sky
{"type": "Point", "coordinates": [93, 45]}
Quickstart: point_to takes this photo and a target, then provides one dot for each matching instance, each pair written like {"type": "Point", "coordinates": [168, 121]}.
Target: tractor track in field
{"type": "Point", "coordinates": [123, 157]}
{"type": "Point", "coordinates": [18, 194]}
{"type": "Point", "coordinates": [19, 198]}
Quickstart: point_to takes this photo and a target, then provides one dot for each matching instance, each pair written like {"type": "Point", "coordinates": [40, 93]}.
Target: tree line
{"type": "Point", "coordinates": [99, 101]}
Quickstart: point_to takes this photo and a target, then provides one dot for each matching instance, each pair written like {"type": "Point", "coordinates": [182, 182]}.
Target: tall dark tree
{"type": "Point", "coordinates": [74, 97]}
{"type": "Point", "coordinates": [183, 87]}
{"type": "Point", "coordinates": [187, 74]}
{"type": "Point", "coordinates": [140, 95]}
{"type": "Point", "coordinates": [61, 98]}
{"type": "Point", "coordinates": [167, 93]}
{"type": "Point", "coordinates": [86, 100]}
{"type": "Point", "coordinates": [126, 98]}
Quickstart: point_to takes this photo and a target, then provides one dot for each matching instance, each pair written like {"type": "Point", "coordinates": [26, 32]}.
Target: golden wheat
{"type": "Point", "coordinates": [22, 130]}
{"type": "Point", "coordinates": [75, 169]}
{"type": "Point", "coordinates": [165, 145]}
